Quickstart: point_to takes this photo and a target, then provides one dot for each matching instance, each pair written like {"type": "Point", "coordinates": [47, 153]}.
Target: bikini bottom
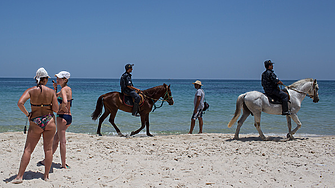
{"type": "Point", "coordinates": [68, 118]}
{"type": "Point", "coordinates": [42, 121]}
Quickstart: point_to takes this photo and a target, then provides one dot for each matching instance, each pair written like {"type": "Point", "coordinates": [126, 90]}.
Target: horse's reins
{"type": "Point", "coordinates": [305, 93]}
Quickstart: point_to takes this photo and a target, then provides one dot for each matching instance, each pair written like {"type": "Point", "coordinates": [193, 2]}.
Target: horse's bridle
{"type": "Point", "coordinates": [167, 96]}
{"type": "Point", "coordinates": [306, 93]}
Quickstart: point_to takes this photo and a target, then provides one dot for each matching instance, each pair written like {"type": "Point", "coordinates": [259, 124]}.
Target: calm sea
{"type": "Point", "coordinates": [317, 118]}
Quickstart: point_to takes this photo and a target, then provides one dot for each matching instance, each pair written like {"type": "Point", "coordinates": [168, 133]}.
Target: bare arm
{"type": "Point", "coordinates": [63, 106]}
{"type": "Point", "coordinates": [23, 99]}
{"type": "Point", "coordinates": [55, 106]}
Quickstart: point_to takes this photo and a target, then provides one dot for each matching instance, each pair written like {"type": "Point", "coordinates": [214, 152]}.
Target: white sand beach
{"type": "Point", "coordinates": [198, 160]}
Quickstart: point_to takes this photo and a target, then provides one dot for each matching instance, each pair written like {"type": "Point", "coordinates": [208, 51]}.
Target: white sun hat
{"type": "Point", "coordinates": [41, 73]}
{"type": "Point", "coordinates": [63, 74]}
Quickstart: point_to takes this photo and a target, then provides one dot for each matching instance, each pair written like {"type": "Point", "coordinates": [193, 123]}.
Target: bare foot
{"type": "Point", "coordinates": [66, 166]}
{"type": "Point", "coordinates": [17, 181]}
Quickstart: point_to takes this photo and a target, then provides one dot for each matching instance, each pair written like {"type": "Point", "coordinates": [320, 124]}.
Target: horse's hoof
{"type": "Point", "coordinates": [290, 137]}
{"type": "Point", "coordinates": [120, 134]}
{"type": "Point", "coordinates": [132, 133]}
{"type": "Point", "coordinates": [265, 139]}
{"type": "Point", "coordinates": [150, 135]}
{"type": "Point", "coordinates": [99, 134]}
{"type": "Point", "coordinates": [236, 138]}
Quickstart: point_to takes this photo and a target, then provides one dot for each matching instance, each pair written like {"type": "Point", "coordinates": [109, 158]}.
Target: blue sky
{"type": "Point", "coordinates": [168, 39]}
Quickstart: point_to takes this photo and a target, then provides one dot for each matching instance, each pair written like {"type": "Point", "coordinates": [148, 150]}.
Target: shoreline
{"type": "Point", "coordinates": [183, 160]}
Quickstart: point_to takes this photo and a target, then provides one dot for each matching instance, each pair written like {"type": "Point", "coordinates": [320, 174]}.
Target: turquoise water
{"type": "Point", "coordinates": [317, 118]}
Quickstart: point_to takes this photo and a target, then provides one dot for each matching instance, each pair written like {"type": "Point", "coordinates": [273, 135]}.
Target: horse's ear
{"type": "Point", "coordinates": [164, 85]}
{"type": "Point", "coordinates": [169, 85]}
{"type": "Point", "coordinates": [314, 81]}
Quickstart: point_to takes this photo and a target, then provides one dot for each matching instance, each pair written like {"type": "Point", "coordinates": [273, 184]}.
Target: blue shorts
{"type": "Point", "coordinates": [197, 115]}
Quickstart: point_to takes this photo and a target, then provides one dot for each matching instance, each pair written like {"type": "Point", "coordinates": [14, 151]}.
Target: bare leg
{"type": "Point", "coordinates": [54, 145]}
{"type": "Point", "coordinates": [33, 136]}
{"type": "Point", "coordinates": [192, 126]}
{"type": "Point", "coordinates": [61, 129]}
{"type": "Point", "coordinates": [48, 137]}
{"type": "Point", "coordinates": [201, 123]}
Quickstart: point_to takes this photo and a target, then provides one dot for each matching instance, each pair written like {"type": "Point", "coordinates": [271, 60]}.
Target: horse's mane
{"type": "Point", "coordinates": [299, 82]}
{"type": "Point", "coordinates": [154, 90]}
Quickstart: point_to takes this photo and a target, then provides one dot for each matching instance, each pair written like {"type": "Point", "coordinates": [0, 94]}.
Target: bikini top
{"type": "Point", "coordinates": [40, 105]}
{"type": "Point", "coordinates": [60, 100]}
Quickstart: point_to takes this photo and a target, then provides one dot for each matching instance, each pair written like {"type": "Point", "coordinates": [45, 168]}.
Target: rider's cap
{"type": "Point", "coordinates": [267, 63]}
{"type": "Point", "coordinates": [197, 82]}
{"type": "Point", "coordinates": [128, 66]}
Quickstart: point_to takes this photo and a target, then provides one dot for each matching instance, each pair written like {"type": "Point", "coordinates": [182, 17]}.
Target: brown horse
{"type": "Point", "coordinates": [112, 102]}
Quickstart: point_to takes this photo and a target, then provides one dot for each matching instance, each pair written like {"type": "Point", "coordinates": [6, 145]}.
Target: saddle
{"type": "Point", "coordinates": [276, 100]}
{"type": "Point", "coordinates": [129, 101]}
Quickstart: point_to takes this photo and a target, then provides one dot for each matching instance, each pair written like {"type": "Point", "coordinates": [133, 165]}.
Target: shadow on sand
{"type": "Point", "coordinates": [29, 175]}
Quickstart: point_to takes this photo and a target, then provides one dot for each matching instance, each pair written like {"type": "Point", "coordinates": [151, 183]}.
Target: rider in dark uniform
{"type": "Point", "coordinates": [128, 88]}
{"type": "Point", "coordinates": [270, 83]}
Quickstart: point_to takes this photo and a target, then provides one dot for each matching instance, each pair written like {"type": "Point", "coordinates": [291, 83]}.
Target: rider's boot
{"type": "Point", "coordinates": [135, 110]}
{"type": "Point", "coordinates": [285, 110]}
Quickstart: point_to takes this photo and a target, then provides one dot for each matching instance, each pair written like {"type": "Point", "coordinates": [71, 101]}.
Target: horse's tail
{"type": "Point", "coordinates": [98, 108]}
{"type": "Point", "coordinates": [239, 105]}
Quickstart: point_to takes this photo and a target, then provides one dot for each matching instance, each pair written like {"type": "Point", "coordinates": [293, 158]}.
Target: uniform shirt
{"type": "Point", "coordinates": [126, 81]}
{"type": "Point", "coordinates": [201, 93]}
{"type": "Point", "coordinates": [269, 81]}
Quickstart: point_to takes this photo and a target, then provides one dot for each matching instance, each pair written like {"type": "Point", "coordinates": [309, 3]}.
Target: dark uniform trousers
{"type": "Point", "coordinates": [134, 95]}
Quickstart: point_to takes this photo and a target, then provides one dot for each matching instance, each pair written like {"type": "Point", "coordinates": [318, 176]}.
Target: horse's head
{"type": "Point", "coordinates": [168, 95]}
{"type": "Point", "coordinates": [313, 91]}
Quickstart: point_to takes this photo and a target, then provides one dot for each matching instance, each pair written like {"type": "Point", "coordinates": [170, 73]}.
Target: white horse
{"type": "Point", "coordinates": [255, 102]}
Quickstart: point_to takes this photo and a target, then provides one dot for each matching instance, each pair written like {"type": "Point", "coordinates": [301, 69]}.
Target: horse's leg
{"type": "Point", "coordinates": [143, 118]}
{"type": "Point", "coordinates": [240, 122]}
{"type": "Point", "coordinates": [147, 125]}
{"type": "Point", "coordinates": [111, 120]}
{"type": "Point", "coordinates": [101, 119]}
{"type": "Point", "coordinates": [257, 117]}
{"type": "Point", "coordinates": [297, 121]}
{"type": "Point", "coordinates": [289, 125]}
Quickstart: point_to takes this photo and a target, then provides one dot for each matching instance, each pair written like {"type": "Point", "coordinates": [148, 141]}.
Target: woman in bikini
{"type": "Point", "coordinates": [43, 102]}
{"type": "Point", "coordinates": [64, 117]}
